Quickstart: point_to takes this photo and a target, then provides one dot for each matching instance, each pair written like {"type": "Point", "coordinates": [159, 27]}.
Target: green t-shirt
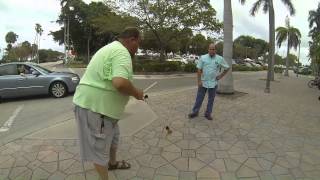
{"type": "Point", "coordinates": [95, 90]}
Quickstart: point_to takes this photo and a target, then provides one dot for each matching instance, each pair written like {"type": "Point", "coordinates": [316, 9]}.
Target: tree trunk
{"type": "Point", "coordinates": [286, 73]}
{"type": "Point", "coordinates": [162, 56]}
{"type": "Point", "coordinates": [162, 51]}
{"type": "Point", "coordinates": [39, 37]}
{"type": "Point", "coordinates": [226, 83]}
{"type": "Point", "coordinates": [88, 46]}
{"type": "Point", "coordinates": [271, 47]}
{"type": "Point", "coordinates": [298, 60]}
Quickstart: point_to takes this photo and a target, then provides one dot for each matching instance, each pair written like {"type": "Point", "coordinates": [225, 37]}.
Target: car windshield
{"type": "Point", "coordinates": [42, 69]}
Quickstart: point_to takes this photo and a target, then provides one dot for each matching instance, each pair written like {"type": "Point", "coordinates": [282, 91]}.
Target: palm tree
{"type": "Point", "coordinates": [314, 21]}
{"type": "Point", "coordinates": [11, 38]}
{"type": "Point", "coordinates": [298, 57]}
{"type": "Point", "coordinates": [39, 31]}
{"type": "Point", "coordinates": [314, 53]}
{"type": "Point", "coordinates": [226, 84]}
{"type": "Point", "coordinates": [314, 25]}
{"type": "Point", "coordinates": [290, 34]}
{"type": "Point", "coordinates": [268, 7]}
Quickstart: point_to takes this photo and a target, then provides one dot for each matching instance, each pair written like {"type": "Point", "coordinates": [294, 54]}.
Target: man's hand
{"type": "Point", "coordinates": [218, 77]}
{"type": "Point", "coordinates": [222, 74]}
{"type": "Point", "coordinates": [139, 95]}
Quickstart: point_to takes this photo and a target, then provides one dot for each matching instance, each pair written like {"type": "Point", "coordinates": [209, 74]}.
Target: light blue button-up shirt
{"type": "Point", "coordinates": [210, 67]}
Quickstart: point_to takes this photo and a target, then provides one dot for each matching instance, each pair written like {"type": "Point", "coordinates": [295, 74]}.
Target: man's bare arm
{"type": "Point", "coordinates": [124, 86]}
{"type": "Point", "coordinates": [223, 74]}
{"type": "Point", "coordinates": [199, 73]}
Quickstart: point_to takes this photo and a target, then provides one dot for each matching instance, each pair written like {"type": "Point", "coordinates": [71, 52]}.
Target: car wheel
{"type": "Point", "coordinates": [311, 83]}
{"type": "Point", "coordinates": [58, 89]}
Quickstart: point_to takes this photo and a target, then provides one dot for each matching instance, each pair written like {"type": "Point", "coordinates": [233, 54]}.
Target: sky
{"type": "Point", "coordinates": [20, 16]}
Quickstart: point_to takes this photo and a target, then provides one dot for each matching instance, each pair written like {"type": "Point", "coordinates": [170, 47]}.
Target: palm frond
{"type": "Point", "coordinates": [256, 7]}
{"type": "Point", "coordinates": [312, 18]}
{"type": "Point", "coordinates": [294, 37]}
{"type": "Point", "coordinates": [282, 34]}
{"type": "Point", "coordinates": [242, 1]}
{"type": "Point", "coordinates": [265, 7]}
{"type": "Point", "coordinates": [290, 6]}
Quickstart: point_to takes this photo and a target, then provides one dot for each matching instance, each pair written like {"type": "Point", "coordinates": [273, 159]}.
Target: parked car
{"type": "Point", "coordinates": [234, 62]}
{"type": "Point", "coordinates": [260, 63]}
{"type": "Point", "coordinates": [248, 64]}
{"type": "Point", "coordinates": [191, 58]}
{"type": "Point", "coordinates": [305, 71]}
{"type": "Point", "coordinates": [24, 79]}
{"type": "Point", "coordinates": [255, 64]}
{"type": "Point", "coordinates": [178, 58]}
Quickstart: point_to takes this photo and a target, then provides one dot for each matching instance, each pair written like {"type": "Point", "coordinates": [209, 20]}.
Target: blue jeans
{"type": "Point", "coordinates": [200, 96]}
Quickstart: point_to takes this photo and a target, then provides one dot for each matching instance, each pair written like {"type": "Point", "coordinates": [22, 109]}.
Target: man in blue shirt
{"type": "Point", "coordinates": [208, 76]}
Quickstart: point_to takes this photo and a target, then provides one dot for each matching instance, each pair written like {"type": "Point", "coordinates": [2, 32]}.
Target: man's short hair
{"type": "Point", "coordinates": [129, 32]}
{"type": "Point", "coordinates": [212, 43]}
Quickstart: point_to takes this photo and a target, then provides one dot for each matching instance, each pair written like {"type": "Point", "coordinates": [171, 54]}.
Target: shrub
{"type": "Point", "coordinates": [190, 67]}
{"type": "Point", "coordinates": [278, 69]}
{"type": "Point", "coordinates": [157, 66]}
{"type": "Point", "coordinates": [246, 68]}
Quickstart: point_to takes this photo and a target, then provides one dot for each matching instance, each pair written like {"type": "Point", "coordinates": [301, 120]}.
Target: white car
{"type": "Point", "coordinates": [248, 64]}
{"type": "Point", "coordinates": [178, 58]}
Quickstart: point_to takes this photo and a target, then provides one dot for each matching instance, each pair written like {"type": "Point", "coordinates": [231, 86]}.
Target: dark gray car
{"type": "Point", "coordinates": [24, 79]}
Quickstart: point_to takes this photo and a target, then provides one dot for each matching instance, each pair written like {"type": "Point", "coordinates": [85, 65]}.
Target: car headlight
{"type": "Point", "coordinates": [75, 79]}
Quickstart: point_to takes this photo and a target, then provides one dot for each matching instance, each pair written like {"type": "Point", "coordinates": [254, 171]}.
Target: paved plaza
{"type": "Point", "coordinates": [254, 136]}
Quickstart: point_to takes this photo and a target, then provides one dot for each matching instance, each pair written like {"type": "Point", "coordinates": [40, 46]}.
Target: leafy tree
{"type": "Point", "coordinates": [91, 25]}
{"type": "Point", "coordinates": [257, 47]}
{"type": "Point", "coordinates": [24, 51]}
{"type": "Point", "coordinates": [11, 38]}
{"type": "Point", "coordinates": [199, 44]}
{"type": "Point", "coordinates": [314, 44]}
{"type": "Point", "coordinates": [163, 16]}
{"type": "Point", "coordinates": [314, 21]}
{"type": "Point", "coordinates": [47, 55]}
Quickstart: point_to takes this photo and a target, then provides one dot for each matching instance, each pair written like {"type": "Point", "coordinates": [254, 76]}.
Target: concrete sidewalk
{"type": "Point", "coordinates": [131, 123]}
{"type": "Point", "coordinates": [254, 136]}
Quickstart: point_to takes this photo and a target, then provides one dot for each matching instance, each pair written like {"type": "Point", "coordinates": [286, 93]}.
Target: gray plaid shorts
{"type": "Point", "coordinates": [97, 133]}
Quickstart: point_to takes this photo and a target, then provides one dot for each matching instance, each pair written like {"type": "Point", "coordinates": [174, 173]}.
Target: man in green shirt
{"type": "Point", "coordinates": [100, 99]}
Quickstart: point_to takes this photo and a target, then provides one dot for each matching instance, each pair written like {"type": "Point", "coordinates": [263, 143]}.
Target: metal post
{"type": "Point", "coordinates": [298, 60]}
{"type": "Point", "coordinates": [65, 41]}
{"type": "Point", "coordinates": [68, 46]}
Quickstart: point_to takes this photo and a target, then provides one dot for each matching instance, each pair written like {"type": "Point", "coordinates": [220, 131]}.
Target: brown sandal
{"type": "Point", "coordinates": [119, 165]}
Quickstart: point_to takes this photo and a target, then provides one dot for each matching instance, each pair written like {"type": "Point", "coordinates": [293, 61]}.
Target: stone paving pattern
{"type": "Point", "coordinates": [254, 136]}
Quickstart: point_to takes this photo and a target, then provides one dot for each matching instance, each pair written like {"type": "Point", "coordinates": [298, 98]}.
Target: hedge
{"type": "Point", "coordinates": [278, 70]}
{"type": "Point", "coordinates": [158, 66]}
{"type": "Point", "coordinates": [246, 68]}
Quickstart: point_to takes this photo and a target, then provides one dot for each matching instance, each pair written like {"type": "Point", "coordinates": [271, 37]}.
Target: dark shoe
{"type": "Point", "coordinates": [119, 165]}
{"type": "Point", "coordinates": [192, 115]}
{"type": "Point", "coordinates": [209, 117]}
